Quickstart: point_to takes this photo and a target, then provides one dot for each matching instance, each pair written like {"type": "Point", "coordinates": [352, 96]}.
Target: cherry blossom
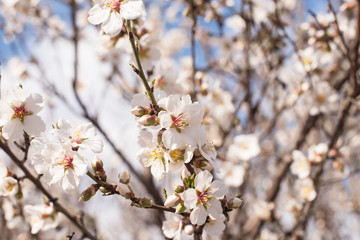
{"type": "Point", "coordinates": [58, 162]}
{"type": "Point", "coordinates": [110, 13]}
{"type": "Point", "coordinates": [152, 155]}
{"type": "Point", "coordinates": [18, 114]}
{"type": "Point", "coordinates": [81, 135]}
{"type": "Point", "coordinates": [41, 217]}
{"type": "Point", "coordinates": [182, 120]}
{"type": "Point", "coordinates": [203, 200]}
{"type": "Point", "coordinates": [244, 147]}
{"type": "Point", "coordinates": [301, 166]}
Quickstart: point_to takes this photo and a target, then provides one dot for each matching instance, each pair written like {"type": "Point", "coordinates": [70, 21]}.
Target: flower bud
{"type": "Point", "coordinates": [189, 229]}
{"type": "Point", "coordinates": [234, 203]}
{"type": "Point", "coordinates": [139, 111]}
{"type": "Point", "coordinates": [172, 200]}
{"type": "Point", "coordinates": [180, 208]}
{"type": "Point", "coordinates": [88, 193]}
{"type": "Point", "coordinates": [124, 177]}
{"type": "Point", "coordinates": [97, 166]}
{"type": "Point", "coordinates": [179, 189]}
{"type": "Point", "coordinates": [148, 120]}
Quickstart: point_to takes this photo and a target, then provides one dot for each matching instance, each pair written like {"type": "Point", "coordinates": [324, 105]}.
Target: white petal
{"type": "Point", "coordinates": [214, 208]}
{"type": "Point", "coordinates": [15, 96]}
{"type": "Point", "coordinates": [158, 170]}
{"type": "Point", "coordinates": [218, 189]}
{"type": "Point", "coordinates": [190, 198]}
{"type": "Point", "coordinates": [13, 129]}
{"type": "Point", "coordinates": [203, 180]}
{"type": "Point", "coordinates": [165, 119]}
{"type": "Point", "coordinates": [34, 125]}
{"type": "Point", "coordinates": [132, 9]}
{"type": "Point", "coordinates": [6, 112]}
{"type": "Point", "coordinates": [98, 15]}
{"type": "Point", "coordinates": [198, 215]}
{"type": "Point", "coordinates": [113, 24]}
{"type": "Point", "coordinates": [34, 103]}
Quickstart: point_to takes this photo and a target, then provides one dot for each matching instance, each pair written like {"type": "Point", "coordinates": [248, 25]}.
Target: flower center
{"type": "Point", "coordinates": [179, 122]}
{"type": "Point", "coordinates": [177, 155]}
{"type": "Point", "coordinates": [114, 5]}
{"type": "Point", "coordinates": [75, 138]}
{"type": "Point", "coordinates": [203, 197]}
{"type": "Point", "coordinates": [20, 113]}
{"type": "Point", "coordinates": [154, 154]}
{"type": "Point", "coordinates": [9, 186]}
{"type": "Point", "coordinates": [67, 162]}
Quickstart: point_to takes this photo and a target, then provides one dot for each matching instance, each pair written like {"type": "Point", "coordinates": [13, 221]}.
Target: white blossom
{"type": "Point", "coordinates": [18, 114]}
{"type": "Point", "coordinates": [152, 155]}
{"type": "Point", "coordinates": [8, 185]}
{"type": "Point", "coordinates": [301, 166]}
{"type": "Point", "coordinates": [58, 162]}
{"type": "Point", "coordinates": [110, 13]}
{"type": "Point", "coordinates": [306, 189]}
{"type": "Point", "coordinates": [81, 135]}
{"type": "Point", "coordinates": [172, 226]}
{"type": "Point", "coordinates": [203, 200]}
{"type": "Point", "coordinates": [41, 217]}
{"type": "Point", "coordinates": [244, 147]}
{"type": "Point", "coordinates": [182, 120]}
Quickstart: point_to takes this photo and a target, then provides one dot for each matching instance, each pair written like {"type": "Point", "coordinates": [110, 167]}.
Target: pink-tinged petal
{"type": "Point", "coordinates": [203, 180]}
{"type": "Point", "coordinates": [214, 208]}
{"type": "Point", "coordinates": [113, 24]}
{"type": "Point", "coordinates": [217, 189]}
{"type": "Point", "coordinates": [6, 112]}
{"type": "Point", "coordinates": [98, 15]}
{"type": "Point", "coordinates": [13, 129]}
{"type": "Point", "coordinates": [34, 125]}
{"type": "Point", "coordinates": [198, 215]}
{"type": "Point", "coordinates": [34, 103]}
{"type": "Point", "coordinates": [190, 198]}
{"type": "Point", "coordinates": [15, 96]}
{"type": "Point", "coordinates": [131, 10]}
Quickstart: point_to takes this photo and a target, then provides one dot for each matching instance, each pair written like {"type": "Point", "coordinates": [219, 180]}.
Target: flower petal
{"type": "Point", "coordinates": [203, 180]}
{"type": "Point", "coordinates": [132, 9]}
{"type": "Point", "coordinates": [113, 24]}
{"type": "Point", "coordinates": [98, 15]}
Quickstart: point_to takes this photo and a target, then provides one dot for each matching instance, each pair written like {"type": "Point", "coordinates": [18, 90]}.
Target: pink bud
{"type": "Point", "coordinates": [189, 229]}
{"type": "Point", "coordinates": [139, 111]}
{"type": "Point", "coordinates": [148, 120]}
{"type": "Point", "coordinates": [124, 177]}
{"type": "Point", "coordinates": [172, 200]}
